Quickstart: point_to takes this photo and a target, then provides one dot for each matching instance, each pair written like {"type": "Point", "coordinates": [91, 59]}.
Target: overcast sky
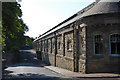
{"type": "Point", "coordinates": [42, 15]}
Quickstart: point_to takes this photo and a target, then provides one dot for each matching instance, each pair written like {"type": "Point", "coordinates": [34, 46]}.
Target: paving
{"type": "Point", "coordinates": [79, 75]}
{"type": "Point", "coordinates": [30, 68]}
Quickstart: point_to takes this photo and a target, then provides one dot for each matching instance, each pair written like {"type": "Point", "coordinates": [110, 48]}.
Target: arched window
{"type": "Point", "coordinates": [115, 44]}
{"type": "Point", "coordinates": [98, 44]}
{"type": "Point", "coordinates": [69, 45]}
{"type": "Point", "coordinates": [59, 45]}
{"type": "Point", "coordinates": [48, 45]}
{"type": "Point", "coordinates": [53, 45]}
{"type": "Point", "coordinates": [39, 45]}
{"type": "Point", "coordinates": [44, 45]}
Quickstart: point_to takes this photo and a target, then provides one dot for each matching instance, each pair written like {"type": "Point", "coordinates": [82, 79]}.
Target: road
{"type": "Point", "coordinates": [30, 68]}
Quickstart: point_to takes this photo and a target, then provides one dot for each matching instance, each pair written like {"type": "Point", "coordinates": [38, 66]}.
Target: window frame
{"type": "Point", "coordinates": [44, 45]}
{"type": "Point", "coordinates": [47, 45]}
{"type": "Point", "coordinates": [68, 49]}
{"type": "Point", "coordinates": [95, 54]}
{"type": "Point", "coordinates": [59, 45]}
{"type": "Point", "coordinates": [53, 45]}
{"type": "Point", "coordinates": [110, 45]}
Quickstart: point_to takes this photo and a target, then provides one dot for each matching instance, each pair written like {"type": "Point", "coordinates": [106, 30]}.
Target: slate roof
{"type": "Point", "coordinates": [103, 7]}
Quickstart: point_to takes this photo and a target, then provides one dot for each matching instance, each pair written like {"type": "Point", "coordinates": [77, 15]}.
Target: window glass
{"type": "Point", "coordinates": [98, 44]}
{"type": "Point", "coordinates": [44, 45]}
{"type": "Point", "coordinates": [115, 43]}
{"type": "Point", "coordinates": [47, 46]}
{"type": "Point", "coordinates": [69, 45]}
{"type": "Point", "coordinates": [53, 45]}
{"type": "Point", "coordinates": [59, 45]}
{"type": "Point", "coordinates": [50, 45]}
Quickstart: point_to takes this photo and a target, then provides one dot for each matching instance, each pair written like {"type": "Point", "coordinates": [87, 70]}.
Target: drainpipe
{"type": "Point", "coordinates": [63, 37]}
{"type": "Point", "coordinates": [55, 48]}
{"type": "Point", "coordinates": [41, 49]}
{"type": "Point", "coordinates": [74, 47]}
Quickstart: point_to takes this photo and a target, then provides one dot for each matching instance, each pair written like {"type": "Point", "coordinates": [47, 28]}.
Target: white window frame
{"type": "Point", "coordinates": [59, 45]}
{"type": "Point", "coordinates": [49, 45]}
{"type": "Point", "coordinates": [110, 45]}
{"type": "Point", "coordinates": [53, 45]}
{"type": "Point", "coordinates": [69, 46]}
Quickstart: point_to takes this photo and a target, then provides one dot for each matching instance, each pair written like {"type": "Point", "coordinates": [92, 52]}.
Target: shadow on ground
{"type": "Point", "coordinates": [28, 58]}
{"type": "Point", "coordinates": [30, 76]}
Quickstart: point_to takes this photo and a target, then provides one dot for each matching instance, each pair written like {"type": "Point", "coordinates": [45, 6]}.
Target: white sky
{"type": "Point", "coordinates": [42, 15]}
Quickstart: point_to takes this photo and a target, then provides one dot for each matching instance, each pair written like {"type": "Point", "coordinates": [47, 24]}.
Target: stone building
{"type": "Point", "coordinates": [88, 41]}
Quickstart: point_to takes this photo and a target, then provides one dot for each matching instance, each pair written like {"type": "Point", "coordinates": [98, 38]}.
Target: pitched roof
{"type": "Point", "coordinates": [103, 7]}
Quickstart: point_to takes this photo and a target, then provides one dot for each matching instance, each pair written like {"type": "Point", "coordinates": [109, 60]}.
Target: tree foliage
{"type": "Point", "coordinates": [13, 27]}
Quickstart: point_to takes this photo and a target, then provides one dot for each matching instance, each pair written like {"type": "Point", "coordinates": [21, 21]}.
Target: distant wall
{"type": "Point", "coordinates": [63, 58]}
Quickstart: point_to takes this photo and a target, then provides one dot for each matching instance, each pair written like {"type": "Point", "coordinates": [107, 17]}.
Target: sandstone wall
{"type": "Point", "coordinates": [105, 62]}
{"type": "Point", "coordinates": [64, 57]}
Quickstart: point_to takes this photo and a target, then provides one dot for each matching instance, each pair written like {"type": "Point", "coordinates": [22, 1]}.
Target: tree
{"type": "Point", "coordinates": [14, 28]}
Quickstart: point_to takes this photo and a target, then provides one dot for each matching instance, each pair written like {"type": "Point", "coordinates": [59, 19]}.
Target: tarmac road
{"type": "Point", "coordinates": [30, 68]}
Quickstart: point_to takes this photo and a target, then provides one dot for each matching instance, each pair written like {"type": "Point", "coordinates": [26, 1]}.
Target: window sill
{"type": "Point", "coordinates": [59, 55]}
{"type": "Point", "coordinates": [98, 55]}
{"type": "Point", "coordinates": [59, 49]}
{"type": "Point", "coordinates": [114, 55]}
{"type": "Point", "coordinates": [68, 58]}
{"type": "Point", "coordinates": [69, 50]}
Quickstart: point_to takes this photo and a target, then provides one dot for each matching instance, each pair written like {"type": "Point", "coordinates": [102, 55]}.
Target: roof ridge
{"type": "Point", "coordinates": [102, 8]}
{"type": "Point", "coordinates": [86, 8]}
